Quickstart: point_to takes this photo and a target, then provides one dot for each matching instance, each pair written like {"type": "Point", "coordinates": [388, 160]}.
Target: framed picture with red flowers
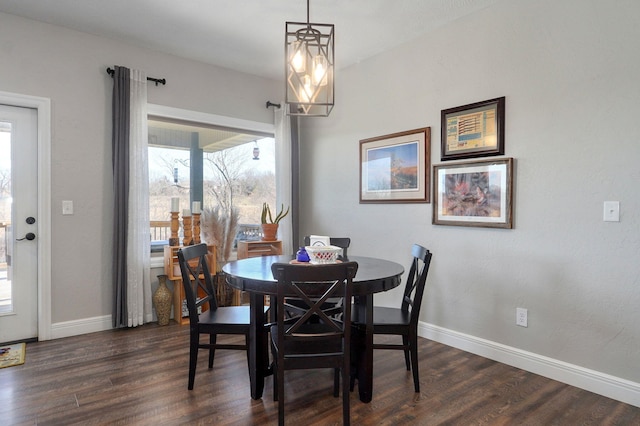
{"type": "Point", "coordinates": [477, 193]}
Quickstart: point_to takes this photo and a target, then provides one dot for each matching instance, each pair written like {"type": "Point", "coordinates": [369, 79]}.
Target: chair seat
{"type": "Point", "coordinates": [383, 316]}
{"type": "Point", "coordinates": [228, 315]}
{"type": "Point", "coordinates": [323, 345]}
{"type": "Point", "coordinates": [390, 316]}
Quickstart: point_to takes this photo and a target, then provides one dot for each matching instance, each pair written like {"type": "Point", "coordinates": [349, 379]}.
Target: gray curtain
{"type": "Point", "coordinates": [120, 166]}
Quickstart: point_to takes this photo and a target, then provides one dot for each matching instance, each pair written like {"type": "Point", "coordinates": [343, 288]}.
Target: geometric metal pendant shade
{"type": "Point", "coordinates": [309, 68]}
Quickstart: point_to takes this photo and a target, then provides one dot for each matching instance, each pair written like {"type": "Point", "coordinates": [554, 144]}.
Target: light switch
{"type": "Point", "coordinates": [611, 211]}
{"type": "Point", "coordinates": [67, 207]}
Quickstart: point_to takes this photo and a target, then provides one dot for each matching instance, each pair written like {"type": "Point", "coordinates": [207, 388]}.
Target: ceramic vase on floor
{"type": "Point", "coordinates": [162, 300]}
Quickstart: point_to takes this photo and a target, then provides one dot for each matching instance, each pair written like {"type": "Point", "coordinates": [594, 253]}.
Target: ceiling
{"type": "Point", "coordinates": [248, 35]}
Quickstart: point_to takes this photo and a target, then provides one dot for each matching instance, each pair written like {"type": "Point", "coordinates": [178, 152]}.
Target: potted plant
{"type": "Point", "coordinates": [269, 223]}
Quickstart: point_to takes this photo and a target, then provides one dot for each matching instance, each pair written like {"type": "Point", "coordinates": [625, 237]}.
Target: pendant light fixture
{"type": "Point", "coordinates": [309, 68]}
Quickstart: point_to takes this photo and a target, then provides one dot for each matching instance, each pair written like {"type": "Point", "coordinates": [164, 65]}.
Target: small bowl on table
{"type": "Point", "coordinates": [319, 255]}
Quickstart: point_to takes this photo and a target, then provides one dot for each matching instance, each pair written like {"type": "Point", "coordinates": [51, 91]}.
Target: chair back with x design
{"type": "Point", "coordinates": [200, 294]}
{"type": "Point", "coordinates": [416, 279]}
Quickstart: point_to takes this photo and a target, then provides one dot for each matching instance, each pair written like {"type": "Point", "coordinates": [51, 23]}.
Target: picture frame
{"type": "Point", "coordinates": [474, 130]}
{"type": "Point", "coordinates": [396, 168]}
{"type": "Point", "coordinates": [475, 193]}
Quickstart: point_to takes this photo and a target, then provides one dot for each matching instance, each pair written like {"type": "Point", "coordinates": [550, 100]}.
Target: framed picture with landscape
{"type": "Point", "coordinates": [476, 193]}
{"type": "Point", "coordinates": [396, 168]}
{"type": "Point", "coordinates": [474, 130]}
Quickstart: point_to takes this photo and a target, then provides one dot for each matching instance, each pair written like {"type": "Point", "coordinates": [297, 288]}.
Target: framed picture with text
{"type": "Point", "coordinates": [474, 130]}
{"type": "Point", "coordinates": [396, 168]}
{"type": "Point", "coordinates": [476, 193]}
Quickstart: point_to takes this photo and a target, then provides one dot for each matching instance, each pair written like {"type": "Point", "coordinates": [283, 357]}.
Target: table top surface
{"type": "Point", "coordinates": [254, 274]}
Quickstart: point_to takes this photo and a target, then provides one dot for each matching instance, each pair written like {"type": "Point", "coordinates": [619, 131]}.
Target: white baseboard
{"type": "Point", "coordinates": [593, 381]}
{"type": "Point", "coordinates": [83, 326]}
{"type": "Point", "coordinates": [87, 325]}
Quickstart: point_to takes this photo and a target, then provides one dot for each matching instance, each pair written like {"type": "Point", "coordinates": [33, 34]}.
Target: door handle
{"type": "Point", "coordinates": [30, 236]}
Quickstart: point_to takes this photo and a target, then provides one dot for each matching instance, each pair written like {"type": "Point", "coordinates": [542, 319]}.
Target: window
{"type": "Point", "coordinates": [226, 169]}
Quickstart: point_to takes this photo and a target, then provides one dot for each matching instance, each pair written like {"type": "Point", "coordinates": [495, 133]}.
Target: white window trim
{"type": "Point", "coordinates": [205, 118]}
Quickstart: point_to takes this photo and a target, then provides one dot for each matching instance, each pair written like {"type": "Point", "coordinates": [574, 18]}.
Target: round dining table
{"type": "Point", "coordinates": [254, 276]}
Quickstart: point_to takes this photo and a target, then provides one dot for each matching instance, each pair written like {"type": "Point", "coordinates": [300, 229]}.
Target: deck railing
{"type": "Point", "coordinates": [160, 230]}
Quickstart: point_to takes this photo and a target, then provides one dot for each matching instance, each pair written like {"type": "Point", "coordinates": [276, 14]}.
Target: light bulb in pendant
{"type": "Point", "coordinates": [297, 58]}
{"type": "Point", "coordinates": [320, 70]}
{"type": "Point", "coordinates": [305, 89]}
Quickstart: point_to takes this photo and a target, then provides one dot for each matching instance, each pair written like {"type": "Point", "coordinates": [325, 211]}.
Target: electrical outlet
{"type": "Point", "coordinates": [611, 211]}
{"type": "Point", "coordinates": [521, 317]}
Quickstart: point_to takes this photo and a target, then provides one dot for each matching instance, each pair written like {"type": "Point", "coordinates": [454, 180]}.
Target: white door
{"type": "Point", "coordinates": [18, 223]}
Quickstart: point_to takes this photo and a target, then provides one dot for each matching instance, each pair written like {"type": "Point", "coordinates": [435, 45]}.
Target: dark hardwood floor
{"type": "Point", "coordinates": [139, 376]}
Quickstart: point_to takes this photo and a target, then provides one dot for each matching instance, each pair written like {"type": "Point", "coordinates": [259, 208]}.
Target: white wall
{"type": "Point", "coordinates": [570, 72]}
{"type": "Point", "coordinates": [70, 68]}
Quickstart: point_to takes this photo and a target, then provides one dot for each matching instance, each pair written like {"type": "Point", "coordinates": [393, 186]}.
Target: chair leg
{"type": "Point", "coordinates": [336, 382]}
{"type": "Point", "coordinates": [274, 367]}
{"type": "Point", "coordinates": [356, 342]}
{"type": "Point", "coordinates": [275, 386]}
{"type": "Point", "coordinates": [413, 339]}
{"type": "Point", "coordinates": [212, 349]}
{"type": "Point", "coordinates": [246, 342]}
{"type": "Point", "coordinates": [346, 395]}
{"type": "Point", "coordinates": [193, 357]}
{"type": "Point", "coordinates": [407, 346]}
{"type": "Point", "coordinates": [280, 379]}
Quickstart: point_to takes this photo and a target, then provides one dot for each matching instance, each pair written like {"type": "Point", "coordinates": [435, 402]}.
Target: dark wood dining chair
{"type": "Point", "coordinates": [342, 242]}
{"type": "Point", "coordinates": [298, 343]}
{"type": "Point", "coordinates": [403, 321]}
{"type": "Point", "coordinates": [205, 316]}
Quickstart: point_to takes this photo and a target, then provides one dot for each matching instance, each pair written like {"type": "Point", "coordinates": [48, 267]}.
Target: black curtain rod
{"type": "Point", "coordinates": [157, 81]}
{"type": "Point", "coordinates": [271, 104]}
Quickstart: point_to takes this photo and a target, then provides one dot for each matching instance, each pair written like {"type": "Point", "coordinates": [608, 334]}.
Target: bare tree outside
{"type": "Point", "coordinates": [232, 180]}
{"type": "Point", "coordinates": [226, 168]}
